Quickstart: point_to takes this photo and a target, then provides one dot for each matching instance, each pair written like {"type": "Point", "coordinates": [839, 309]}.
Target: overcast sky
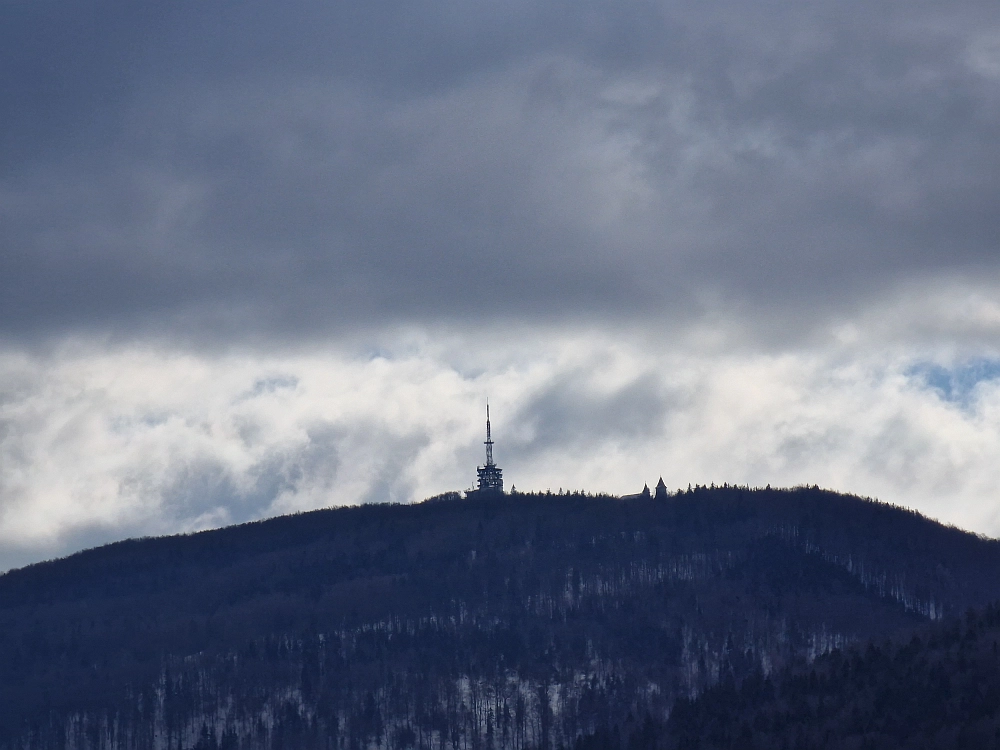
{"type": "Point", "coordinates": [259, 257]}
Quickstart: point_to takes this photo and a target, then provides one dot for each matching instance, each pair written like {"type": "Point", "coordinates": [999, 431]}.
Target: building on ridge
{"type": "Point", "coordinates": [490, 475]}
{"type": "Point", "coordinates": [645, 494]}
{"type": "Point", "coordinates": [661, 490]}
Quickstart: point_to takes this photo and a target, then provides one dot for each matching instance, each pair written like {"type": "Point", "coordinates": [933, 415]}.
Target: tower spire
{"type": "Point", "coordinates": [489, 439]}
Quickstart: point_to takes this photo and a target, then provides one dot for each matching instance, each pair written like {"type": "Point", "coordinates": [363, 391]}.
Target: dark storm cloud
{"type": "Point", "coordinates": [250, 167]}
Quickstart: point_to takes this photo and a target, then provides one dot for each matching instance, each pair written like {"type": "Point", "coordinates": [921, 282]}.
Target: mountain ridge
{"type": "Point", "coordinates": [557, 602]}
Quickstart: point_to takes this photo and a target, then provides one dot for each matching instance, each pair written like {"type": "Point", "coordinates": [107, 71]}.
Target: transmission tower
{"type": "Point", "coordinates": [490, 475]}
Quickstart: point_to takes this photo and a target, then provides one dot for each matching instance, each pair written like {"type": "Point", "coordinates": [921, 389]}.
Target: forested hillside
{"type": "Point", "coordinates": [518, 621]}
{"type": "Point", "coordinates": [939, 689]}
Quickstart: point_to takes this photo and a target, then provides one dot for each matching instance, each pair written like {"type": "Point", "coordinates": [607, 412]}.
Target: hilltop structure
{"type": "Point", "coordinates": [661, 493]}
{"type": "Point", "coordinates": [490, 475]}
{"type": "Point", "coordinates": [661, 490]}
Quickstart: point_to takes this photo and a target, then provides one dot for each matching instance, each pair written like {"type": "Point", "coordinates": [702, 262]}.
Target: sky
{"type": "Point", "coordinates": [259, 257]}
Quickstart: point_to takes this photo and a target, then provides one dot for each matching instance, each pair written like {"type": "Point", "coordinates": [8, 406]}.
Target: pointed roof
{"type": "Point", "coordinates": [661, 490]}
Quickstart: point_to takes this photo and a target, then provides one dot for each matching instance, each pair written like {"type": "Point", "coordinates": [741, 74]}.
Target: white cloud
{"type": "Point", "coordinates": [102, 442]}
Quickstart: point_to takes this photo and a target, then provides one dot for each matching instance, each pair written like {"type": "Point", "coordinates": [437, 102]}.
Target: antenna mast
{"type": "Point", "coordinates": [489, 440]}
{"type": "Point", "coordinates": [490, 475]}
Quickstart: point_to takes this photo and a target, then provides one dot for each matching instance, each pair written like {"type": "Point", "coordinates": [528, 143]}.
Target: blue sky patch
{"type": "Point", "coordinates": [956, 383]}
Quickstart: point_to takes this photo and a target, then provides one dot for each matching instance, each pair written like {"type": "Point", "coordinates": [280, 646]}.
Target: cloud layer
{"type": "Point", "coordinates": [256, 258]}
{"type": "Point", "coordinates": [100, 444]}
{"type": "Point", "coordinates": [229, 170]}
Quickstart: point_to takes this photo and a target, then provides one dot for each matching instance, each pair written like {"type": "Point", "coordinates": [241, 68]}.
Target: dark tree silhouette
{"type": "Point", "coordinates": [509, 622]}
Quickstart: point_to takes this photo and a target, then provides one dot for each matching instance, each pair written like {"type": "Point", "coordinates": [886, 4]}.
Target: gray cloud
{"type": "Point", "coordinates": [569, 413]}
{"type": "Point", "coordinates": [239, 169]}
{"type": "Point", "coordinates": [258, 258]}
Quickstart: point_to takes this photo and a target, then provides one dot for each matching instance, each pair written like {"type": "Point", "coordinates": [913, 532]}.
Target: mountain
{"type": "Point", "coordinates": [509, 621]}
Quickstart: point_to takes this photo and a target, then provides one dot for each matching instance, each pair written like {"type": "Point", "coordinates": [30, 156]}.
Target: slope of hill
{"type": "Point", "coordinates": [939, 689]}
{"type": "Point", "coordinates": [512, 622]}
